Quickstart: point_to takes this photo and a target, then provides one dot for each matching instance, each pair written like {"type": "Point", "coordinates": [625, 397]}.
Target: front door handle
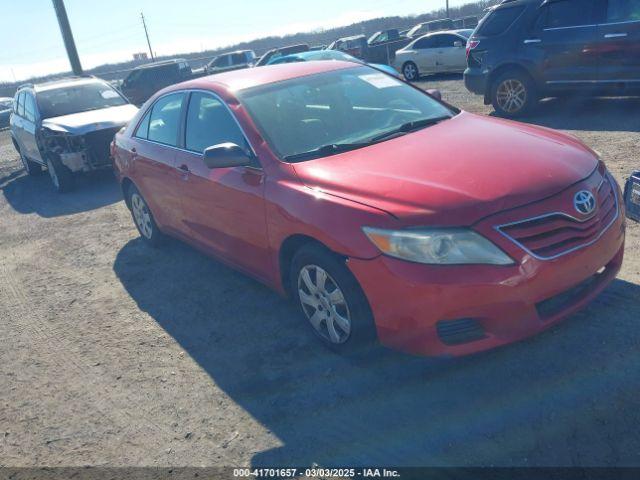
{"type": "Point", "coordinates": [532, 40]}
{"type": "Point", "coordinates": [615, 35]}
{"type": "Point", "coordinates": [184, 168]}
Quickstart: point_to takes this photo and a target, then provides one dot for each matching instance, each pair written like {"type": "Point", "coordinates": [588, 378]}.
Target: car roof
{"type": "Point", "coordinates": [62, 83]}
{"type": "Point", "coordinates": [163, 63]}
{"type": "Point", "coordinates": [253, 77]}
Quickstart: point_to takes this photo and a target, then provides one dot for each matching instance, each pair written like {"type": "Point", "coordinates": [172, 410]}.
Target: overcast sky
{"type": "Point", "coordinates": [111, 30]}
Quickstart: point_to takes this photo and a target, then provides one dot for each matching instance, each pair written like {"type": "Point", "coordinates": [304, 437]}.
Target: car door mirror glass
{"type": "Point", "coordinates": [457, 44]}
{"type": "Point", "coordinates": [226, 155]}
{"type": "Point", "coordinates": [435, 93]}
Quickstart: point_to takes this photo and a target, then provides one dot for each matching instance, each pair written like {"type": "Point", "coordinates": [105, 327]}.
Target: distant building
{"type": "Point", "coordinates": [140, 57]}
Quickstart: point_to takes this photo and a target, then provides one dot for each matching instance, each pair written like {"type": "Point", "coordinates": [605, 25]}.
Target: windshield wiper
{"type": "Point", "coordinates": [325, 150]}
{"type": "Point", "coordinates": [409, 127]}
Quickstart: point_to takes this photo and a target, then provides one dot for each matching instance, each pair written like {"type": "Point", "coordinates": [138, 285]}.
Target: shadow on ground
{"type": "Point", "coordinates": [608, 114]}
{"type": "Point", "coordinates": [566, 397]}
{"type": "Point", "coordinates": [28, 194]}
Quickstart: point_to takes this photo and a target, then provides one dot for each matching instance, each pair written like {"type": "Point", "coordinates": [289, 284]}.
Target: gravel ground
{"type": "Point", "coordinates": [116, 354]}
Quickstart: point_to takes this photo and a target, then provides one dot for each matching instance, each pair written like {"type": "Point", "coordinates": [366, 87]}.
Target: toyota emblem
{"type": "Point", "coordinates": [584, 202]}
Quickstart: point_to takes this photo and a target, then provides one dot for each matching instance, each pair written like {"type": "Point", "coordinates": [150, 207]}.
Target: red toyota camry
{"type": "Point", "coordinates": [386, 214]}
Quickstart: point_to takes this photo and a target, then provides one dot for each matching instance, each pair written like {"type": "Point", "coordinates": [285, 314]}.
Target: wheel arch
{"type": "Point", "coordinates": [125, 185]}
{"type": "Point", "coordinates": [502, 69]}
{"type": "Point", "coordinates": [288, 249]}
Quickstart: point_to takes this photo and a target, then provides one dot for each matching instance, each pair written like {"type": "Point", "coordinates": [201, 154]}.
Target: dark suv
{"type": "Point", "coordinates": [146, 80]}
{"type": "Point", "coordinates": [524, 50]}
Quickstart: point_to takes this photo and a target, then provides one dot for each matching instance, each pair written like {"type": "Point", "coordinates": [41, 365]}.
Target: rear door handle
{"type": "Point", "coordinates": [615, 35]}
{"type": "Point", "coordinates": [184, 168]}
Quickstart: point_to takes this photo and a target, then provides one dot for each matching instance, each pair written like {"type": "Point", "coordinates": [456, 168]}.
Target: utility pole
{"type": "Point", "coordinates": [448, 9]}
{"type": "Point", "coordinates": [67, 36]}
{"type": "Point", "coordinates": [146, 32]}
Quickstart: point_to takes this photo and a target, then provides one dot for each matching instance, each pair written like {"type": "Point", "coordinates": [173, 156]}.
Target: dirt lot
{"type": "Point", "coordinates": [116, 354]}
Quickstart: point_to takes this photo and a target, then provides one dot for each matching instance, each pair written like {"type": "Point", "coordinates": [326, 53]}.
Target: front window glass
{"type": "Point", "coordinates": [165, 119]}
{"type": "Point", "coordinates": [209, 123]}
{"type": "Point", "coordinates": [78, 98]}
{"type": "Point", "coordinates": [353, 106]}
{"type": "Point", "coordinates": [29, 108]}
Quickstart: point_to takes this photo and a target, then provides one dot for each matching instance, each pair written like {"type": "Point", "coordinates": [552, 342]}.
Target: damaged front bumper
{"type": "Point", "coordinates": [80, 153]}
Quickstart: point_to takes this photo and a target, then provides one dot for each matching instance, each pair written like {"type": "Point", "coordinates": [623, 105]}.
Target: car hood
{"type": "Point", "coordinates": [85, 122]}
{"type": "Point", "coordinates": [456, 172]}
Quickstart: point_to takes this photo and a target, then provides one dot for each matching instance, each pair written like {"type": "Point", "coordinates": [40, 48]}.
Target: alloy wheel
{"type": "Point", "coordinates": [410, 71]}
{"type": "Point", "coordinates": [324, 304]}
{"type": "Point", "coordinates": [511, 95]}
{"type": "Point", "coordinates": [141, 215]}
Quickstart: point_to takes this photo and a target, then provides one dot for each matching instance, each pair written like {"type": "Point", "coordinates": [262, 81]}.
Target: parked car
{"type": "Point", "coordinates": [442, 52]}
{"type": "Point", "coordinates": [67, 127]}
{"type": "Point", "coordinates": [145, 80]}
{"type": "Point", "coordinates": [231, 61]}
{"type": "Point", "coordinates": [429, 27]}
{"type": "Point", "coordinates": [383, 45]}
{"type": "Point", "coordinates": [632, 196]}
{"type": "Point", "coordinates": [330, 55]}
{"type": "Point", "coordinates": [384, 213]}
{"type": "Point", "coordinates": [6, 105]}
{"type": "Point", "coordinates": [281, 52]}
{"type": "Point", "coordinates": [356, 46]}
{"type": "Point", "coordinates": [523, 51]}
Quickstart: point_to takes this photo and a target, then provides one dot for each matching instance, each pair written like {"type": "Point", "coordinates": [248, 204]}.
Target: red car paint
{"type": "Point", "coordinates": [470, 171]}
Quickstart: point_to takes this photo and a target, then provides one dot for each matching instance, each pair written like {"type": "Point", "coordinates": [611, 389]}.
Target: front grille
{"type": "Point", "coordinates": [457, 332]}
{"type": "Point", "coordinates": [98, 145]}
{"type": "Point", "coordinates": [550, 236]}
{"type": "Point", "coordinates": [551, 307]}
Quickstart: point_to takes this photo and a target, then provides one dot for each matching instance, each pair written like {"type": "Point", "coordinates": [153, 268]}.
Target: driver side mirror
{"type": "Point", "coordinates": [435, 93]}
{"type": "Point", "coordinates": [226, 155]}
{"type": "Point", "coordinates": [457, 44]}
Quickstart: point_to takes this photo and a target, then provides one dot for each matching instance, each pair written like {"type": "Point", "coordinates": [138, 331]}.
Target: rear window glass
{"type": "Point", "coordinates": [499, 21]}
{"type": "Point", "coordinates": [623, 10]}
{"type": "Point", "coordinates": [566, 14]}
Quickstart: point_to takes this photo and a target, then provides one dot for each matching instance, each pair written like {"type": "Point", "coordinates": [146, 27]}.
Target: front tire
{"type": "Point", "coordinates": [61, 177]}
{"type": "Point", "coordinates": [143, 218]}
{"type": "Point", "coordinates": [33, 169]}
{"type": "Point", "coordinates": [410, 72]}
{"type": "Point", "coordinates": [332, 301]}
{"type": "Point", "coordinates": [513, 94]}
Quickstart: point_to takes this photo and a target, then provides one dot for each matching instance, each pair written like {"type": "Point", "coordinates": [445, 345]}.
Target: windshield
{"type": "Point", "coordinates": [351, 107]}
{"type": "Point", "coordinates": [77, 98]}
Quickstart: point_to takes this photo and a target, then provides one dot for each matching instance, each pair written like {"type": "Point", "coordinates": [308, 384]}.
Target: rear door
{"type": "Point", "coordinates": [223, 209]}
{"type": "Point", "coordinates": [620, 41]}
{"type": "Point", "coordinates": [153, 159]}
{"type": "Point", "coordinates": [564, 41]}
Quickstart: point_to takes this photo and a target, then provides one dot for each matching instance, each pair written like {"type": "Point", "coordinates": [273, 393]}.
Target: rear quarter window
{"type": "Point", "coordinates": [499, 21]}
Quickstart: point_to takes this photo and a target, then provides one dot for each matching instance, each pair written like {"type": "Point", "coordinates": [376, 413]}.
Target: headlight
{"type": "Point", "coordinates": [446, 246]}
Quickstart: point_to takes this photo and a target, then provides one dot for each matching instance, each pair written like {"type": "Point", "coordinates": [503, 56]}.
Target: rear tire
{"type": "Point", "coordinates": [61, 177]}
{"type": "Point", "coordinates": [32, 168]}
{"type": "Point", "coordinates": [410, 72]}
{"type": "Point", "coordinates": [513, 94]}
{"type": "Point", "coordinates": [332, 301]}
{"type": "Point", "coordinates": [143, 218]}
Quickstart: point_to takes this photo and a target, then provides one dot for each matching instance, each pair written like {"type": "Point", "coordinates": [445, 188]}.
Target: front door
{"type": "Point", "coordinates": [223, 209]}
{"type": "Point", "coordinates": [564, 41]}
{"type": "Point", "coordinates": [619, 35]}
